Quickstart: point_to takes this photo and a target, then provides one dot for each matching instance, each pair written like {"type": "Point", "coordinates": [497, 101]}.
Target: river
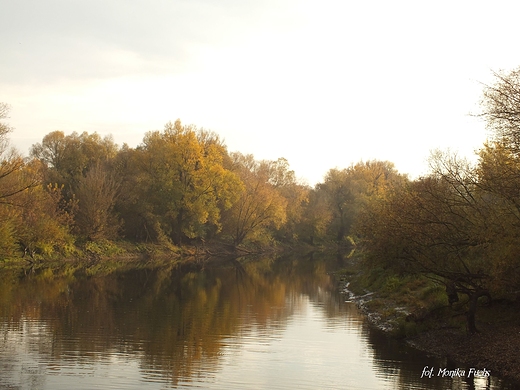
{"type": "Point", "coordinates": [248, 324]}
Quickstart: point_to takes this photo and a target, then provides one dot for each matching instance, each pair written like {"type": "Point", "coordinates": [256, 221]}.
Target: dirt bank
{"type": "Point", "coordinates": [496, 347]}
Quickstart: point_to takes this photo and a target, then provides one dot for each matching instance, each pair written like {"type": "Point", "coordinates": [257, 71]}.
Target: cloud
{"type": "Point", "coordinates": [68, 39]}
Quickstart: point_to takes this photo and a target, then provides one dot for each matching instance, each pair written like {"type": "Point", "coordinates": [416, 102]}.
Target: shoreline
{"type": "Point", "coordinates": [496, 347]}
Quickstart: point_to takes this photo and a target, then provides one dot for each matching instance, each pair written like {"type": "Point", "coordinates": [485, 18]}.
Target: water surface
{"type": "Point", "coordinates": [262, 324]}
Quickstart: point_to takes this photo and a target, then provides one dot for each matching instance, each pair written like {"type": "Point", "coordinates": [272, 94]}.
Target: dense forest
{"type": "Point", "coordinates": [181, 186]}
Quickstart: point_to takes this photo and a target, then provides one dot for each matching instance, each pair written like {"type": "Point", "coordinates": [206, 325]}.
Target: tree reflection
{"type": "Point", "coordinates": [177, 319]}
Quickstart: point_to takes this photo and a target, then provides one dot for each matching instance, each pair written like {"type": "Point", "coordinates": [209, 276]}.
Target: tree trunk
{"type": "Point", "coordinates": [473, 300]}
{"type": "Point", "coordinates": [473, 303]}
{"type": "Point", "coordinates": [177, 230]}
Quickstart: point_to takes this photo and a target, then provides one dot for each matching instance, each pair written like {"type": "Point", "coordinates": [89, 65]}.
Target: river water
{"type": "Point", "coordinates": [257, 324]}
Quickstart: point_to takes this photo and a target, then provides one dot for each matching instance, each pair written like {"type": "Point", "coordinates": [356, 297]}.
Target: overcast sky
{"type": "Point", "coordinates": [322, 83]}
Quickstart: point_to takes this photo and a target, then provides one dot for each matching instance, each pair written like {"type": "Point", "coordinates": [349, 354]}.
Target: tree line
{"type": "Point", "coordinates": [180, 186]}
{"type": "Point", "coordinates": [458, 224]}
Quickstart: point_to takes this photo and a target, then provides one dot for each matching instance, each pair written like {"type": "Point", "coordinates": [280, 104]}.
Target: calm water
{"type": "Point", "coordinates": [260, 324]}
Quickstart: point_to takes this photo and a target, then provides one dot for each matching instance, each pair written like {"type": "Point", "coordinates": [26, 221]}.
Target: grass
{"type": "Point", "coordinates": [408, 303]}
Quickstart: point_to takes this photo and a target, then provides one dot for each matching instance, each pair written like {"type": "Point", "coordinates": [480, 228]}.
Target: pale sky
{"type": "Point", "coordinates": [322, 83]}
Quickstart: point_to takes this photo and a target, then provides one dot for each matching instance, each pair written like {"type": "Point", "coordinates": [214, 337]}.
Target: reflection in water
{"type": "Point", "coordinates": [239, 324]}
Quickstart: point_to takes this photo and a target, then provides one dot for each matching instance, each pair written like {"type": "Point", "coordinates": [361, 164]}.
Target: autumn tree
{"type": "Point", "coordinates": [340, 192]}
{"type": "Point", "coordinates": [261, 205]}
{"type": "Point", "coordinates": [68, 158]}
{"type": "Point", "coordinates": [296, 195]}
{"type": "Point", "coordinates": [500, 107]}
{"type": "Point", "coordinates": [183, 181]}
{"type": "Point", "coordinates": [29, 214]}
{"type": "Point", "coordinates": [96, 194]}
{"type": "Point", "coordinates": [348, 190]}
{"type": "Point", "coordinates": [460, 223]}
{"type": "Point", "coordinates": [129, 205]}
{"type": "Point", "coordinates": [52, 150]}
{"type": "Point", "coordinates": [499, 166]}
{"type": "Point", "coordinates": [5, 129]}
{"type": "Point", "coordinates": [43, 226]}
{"type": "Point", "coordinates": [315, 218]}
{"type": "Point", "coordinates": [81, 164]}
{"type": "Point", "coordinates": [12, 179]}
{"type": "Point", "coordinates": [437, 226]}
{"type": "Point", "coordinates": [15, 179]}
{"type": "Point", "coordinates": [498, 172]}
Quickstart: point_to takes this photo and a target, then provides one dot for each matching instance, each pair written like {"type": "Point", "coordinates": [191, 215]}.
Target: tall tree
{"type": "Point", "coordinates": [184, 181]}
{"type": "Point", "coordinates": [96, 193]}
{"type": "Point", "coordinates": [261, 205]}
{"type": "Point", "coordinates": [82, 164]}
{"type": "Point", "coordinates": [43, 226]}
{"type": "Point", "coordinates": [68, 158]}
{"type": "Point", "coordinates": [13, 180]}
{"type": "Point", "coordinates": [5, 129]}
{"type": "Point", "coordinates": [499, 169]}
{"type": "Point", "coordinates": [348, 190]}
{"type": "Point", "coordinates": [28, 215]}
{"type": "Point", "coordinates": [315, 218]}
{"type": "Point", "coordinates": [498, 173]}
{"type": "Point", "coordinates": [438, 226]}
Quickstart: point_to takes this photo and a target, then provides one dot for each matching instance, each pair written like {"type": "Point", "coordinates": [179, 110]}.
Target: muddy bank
{"type": "Point", "coordinates": [496, 347]}
{"type": "Point", "coordinates": [380, 318]}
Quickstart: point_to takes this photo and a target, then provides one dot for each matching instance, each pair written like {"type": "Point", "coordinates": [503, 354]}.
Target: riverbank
{"type": "Point", "coordinates": [105, 257]}
{"type": "Point", "coordinates": [496, 348]}
{"type": "Point", "coordinates": [105, 250]}
{"type": "Point", "coordinates": [416, 311]}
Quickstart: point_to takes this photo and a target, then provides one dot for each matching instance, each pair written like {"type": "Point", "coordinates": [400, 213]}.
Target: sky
{"type": "Point", "coordinates": [324, 84]}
